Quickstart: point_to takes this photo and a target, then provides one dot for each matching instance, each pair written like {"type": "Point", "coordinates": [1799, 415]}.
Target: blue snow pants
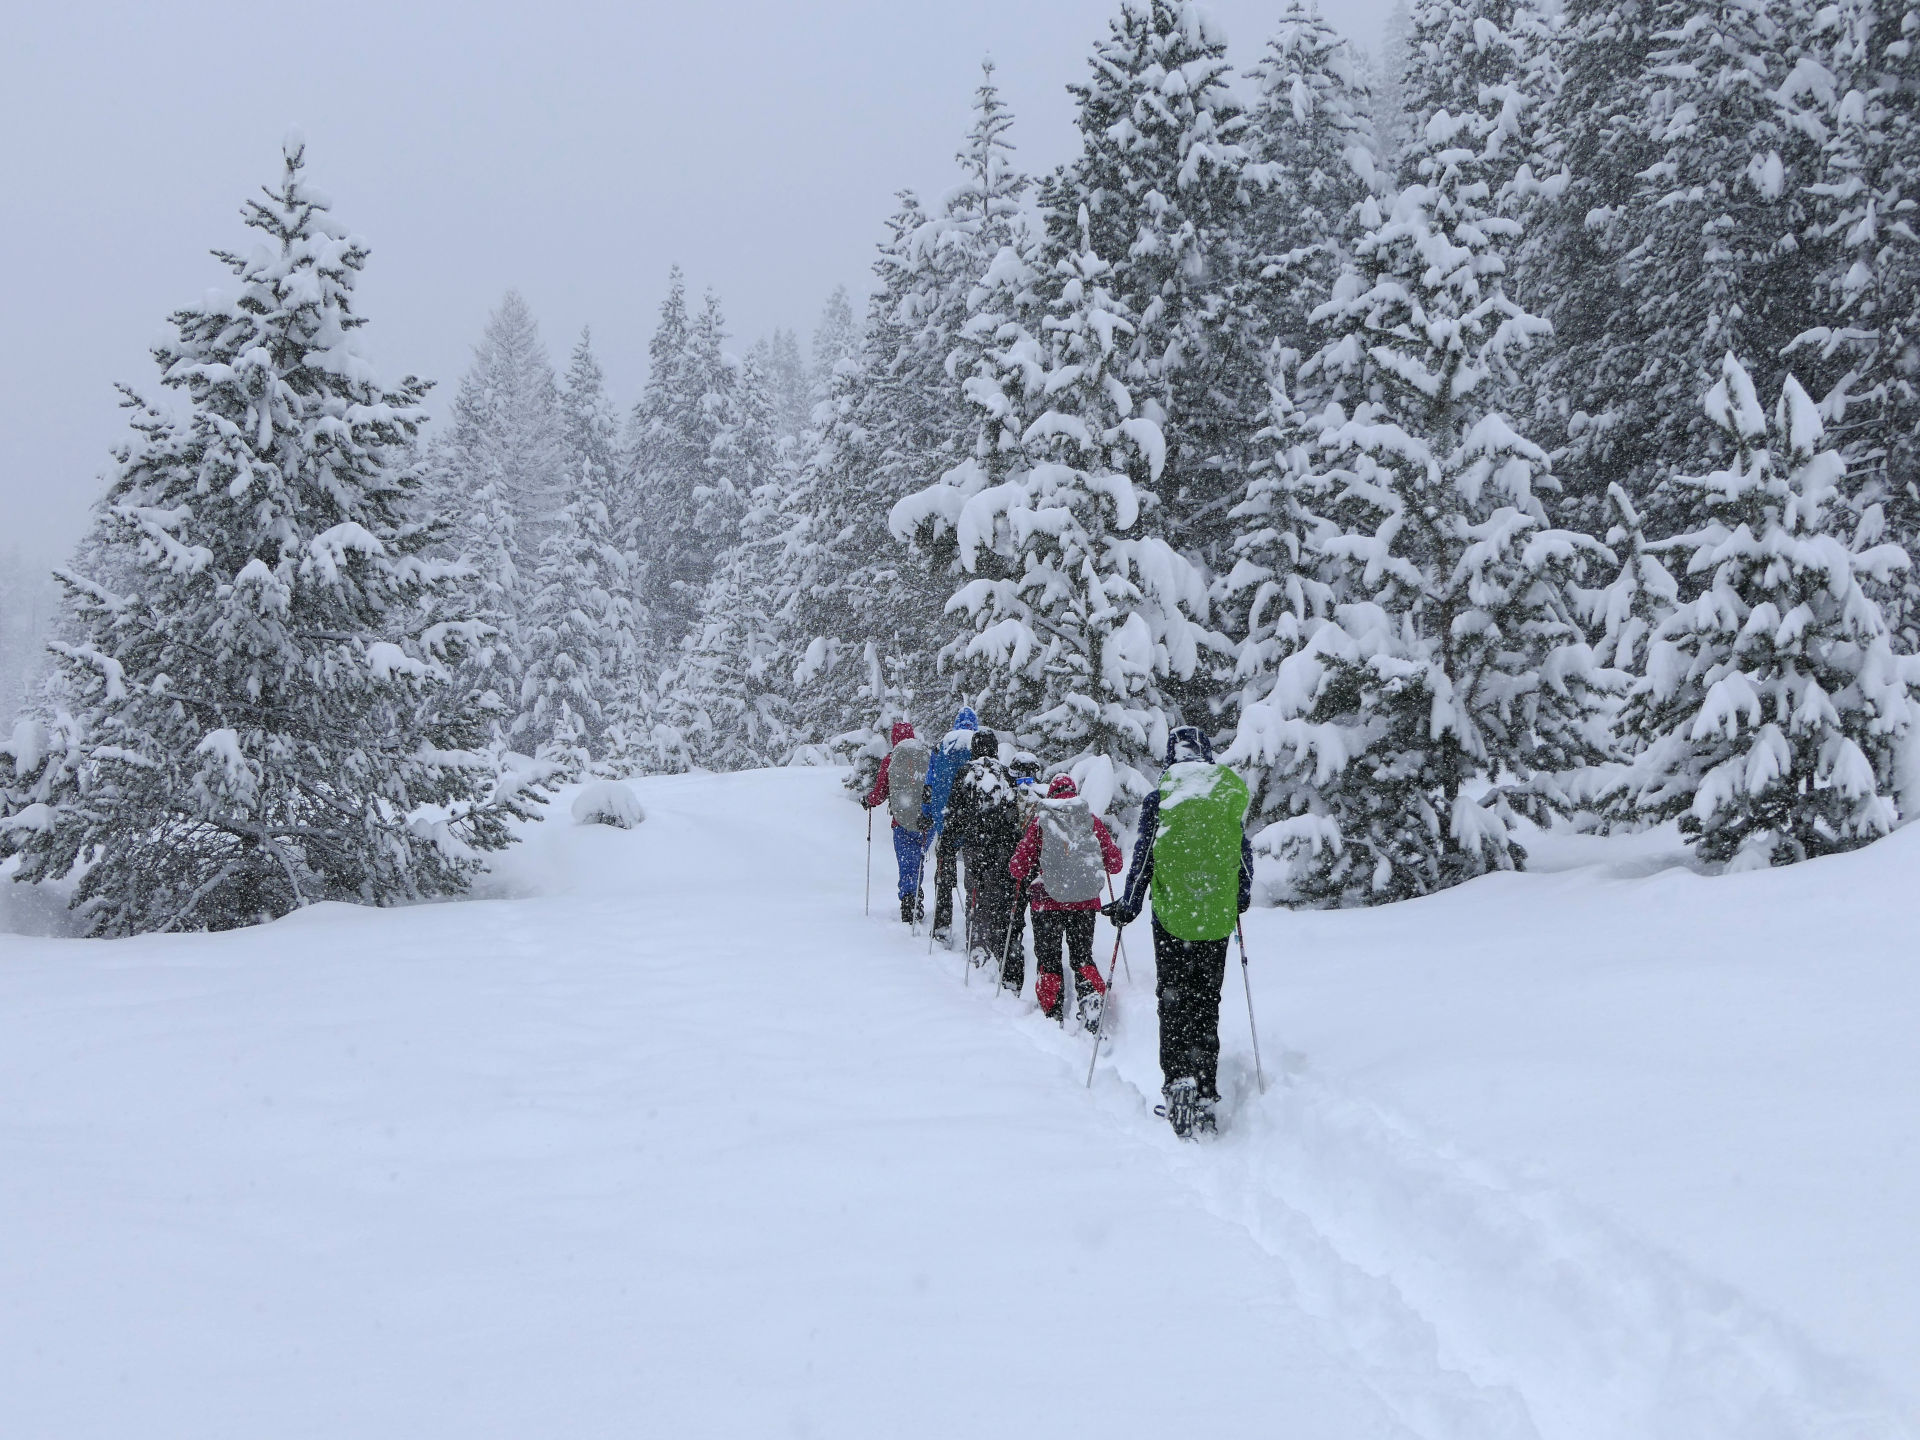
{"type": "Point", "coordinates": [909, 846]}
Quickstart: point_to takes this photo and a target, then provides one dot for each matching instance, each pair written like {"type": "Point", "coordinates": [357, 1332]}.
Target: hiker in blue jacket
{"type": "Point", "coordinates": [949, 756]}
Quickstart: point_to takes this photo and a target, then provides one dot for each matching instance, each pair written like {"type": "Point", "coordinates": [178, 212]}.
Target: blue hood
{"type": "Point", "coordinates": [1188, 742]}
{"type": "Point", "coordinates": [966, 719]}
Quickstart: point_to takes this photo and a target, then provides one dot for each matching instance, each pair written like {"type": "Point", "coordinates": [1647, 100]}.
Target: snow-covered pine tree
{"type": "Point", "coordinates": [873, 616]}
{"type": "Point", "coordinates": [266, 720]}
{"type": "Point", "coordinates": [583, 697]}
{"type": "Point", "coordinates": [852, 587]}
{"type": "Point", "coordinates": [1451, 681]}
{"type": "Point", "coordinates": [1163, 175]}
{"type": "Point", "coordinates": [1311, 130]}
{"type": "Point", "coordinates": [1707, 248]}
{"type": "Point", "coordinates": [791, 386]}
{"type": "Point", "coordinates": [1281, 588]}
{"type": "Point", "coordinates": [1862, 89]}
{"type": "Point", "coordinates": [1773, 705]}
{"type": "Point", "coordinates": [726, 698]}
{"type": "Point", "coordinates": [836, 340]}
{"type": "Point", "coordinates": [498, 480]}
{"type": "Point", "coordinates": [579, 642]}
{"type": "Point", "coordinates": [1572, 266]}
{"type": "Point", "coordinates": [1077, 635]}
{"type": "Point", "coordinates": [1393, 125]}
{"type": "Point", "coordinates": [682, 520]}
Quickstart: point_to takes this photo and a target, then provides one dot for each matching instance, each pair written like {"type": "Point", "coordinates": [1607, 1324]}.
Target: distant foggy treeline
{"type": "Point", "coordinates": [1522, 426]}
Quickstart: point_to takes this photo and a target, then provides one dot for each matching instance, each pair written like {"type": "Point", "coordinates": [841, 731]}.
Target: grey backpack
{"type": "Point", "coordinates": [1071, 865]}
{"type": "Point", "coordinates": [907, 783]}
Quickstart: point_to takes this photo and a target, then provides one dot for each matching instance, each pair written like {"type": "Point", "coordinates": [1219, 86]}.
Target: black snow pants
{"type": "Point", "coordinates": [946, 875]}
{"type": "Point", "coordinates": [1071, 930]}
{"type": "Point", "coordinates": [990, 892]}
{"type": "Point", "coordinates": [1190, 974]}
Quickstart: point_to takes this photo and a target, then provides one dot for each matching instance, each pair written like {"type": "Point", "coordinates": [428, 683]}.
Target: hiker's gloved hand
{"type": "Point", "coordinates": [1118, 914]}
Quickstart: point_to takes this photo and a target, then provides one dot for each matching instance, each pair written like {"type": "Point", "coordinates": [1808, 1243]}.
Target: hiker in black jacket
{"type": "Point", "coordinates": [984, 825]}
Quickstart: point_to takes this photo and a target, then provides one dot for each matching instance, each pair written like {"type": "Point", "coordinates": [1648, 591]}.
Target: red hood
{"type": "Point", "coordinates": [1062, 788]}
{"type": "Point", "coordinates": [902, 730]}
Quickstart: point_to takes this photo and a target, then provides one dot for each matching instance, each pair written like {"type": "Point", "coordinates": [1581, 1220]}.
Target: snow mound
{"type": "Point", "coordinates": [608, 802]}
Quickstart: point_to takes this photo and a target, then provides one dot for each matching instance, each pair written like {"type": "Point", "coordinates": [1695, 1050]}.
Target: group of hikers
{"type": "Point", "coordinates": [1034, 848]}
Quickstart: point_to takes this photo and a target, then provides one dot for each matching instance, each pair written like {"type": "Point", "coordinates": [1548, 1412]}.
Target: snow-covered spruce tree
{"type": "Point", "coordinates": [1691, 239]}
{"type": "Point", "coordinates": [1451, 682]}
{"type": "Point", "coordinates": [1572, 267]}
{"type": "Point", "coordinates": [584, 700]}
{"type": "Point", "coordinates": [868, 612]}
{"type": "Point", "coordinates": [1078, 634]}
{"type": "Point", "coordinates": [836, 340]}
{"type": "Point", "coordinates": [1493, 59]}
{"type": "Point", "coordinates": [682, 519]}
{"type": "Point", "coordinates": [1773, 706]}
{"type": "Point", "coordinates": [1312, 133]}
{"type": "Point", "coordinates": [497, 480]}
{"type": "Point", "coordinates": [578, 635]}
{"type": "Point", "coordinates": [1281, 587]}
{"type": "Point", "coordinates": [266, 720]}
{"type": "Point", "coordinates": [726, 697]}
{"type": "Point", "coordinates": [790, 384]}
{"type": "Point", "coordinates": [1393, 126]}
{"type": "Point", "coordinates": [1163, 176]}
{"type": "Point", "coordinates": [1862, 88]}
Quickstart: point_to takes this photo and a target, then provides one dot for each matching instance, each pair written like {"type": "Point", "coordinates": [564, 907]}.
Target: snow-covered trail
{"type": "Point", "coordinates": [690, 1149]}
{"type": "Point", "coordinates": [668, 1139]}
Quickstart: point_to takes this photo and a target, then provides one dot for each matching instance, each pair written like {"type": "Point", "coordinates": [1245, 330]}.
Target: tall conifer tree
{"type": "Point", "coordinates": [265, 716]}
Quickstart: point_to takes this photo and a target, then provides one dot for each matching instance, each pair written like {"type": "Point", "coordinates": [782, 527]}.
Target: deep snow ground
{"type": "Point", "coordinates": [666, 1138]}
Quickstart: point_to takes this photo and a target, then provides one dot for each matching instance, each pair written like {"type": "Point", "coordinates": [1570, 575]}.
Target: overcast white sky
{"type": "Point", "coordinates": [571, 150]}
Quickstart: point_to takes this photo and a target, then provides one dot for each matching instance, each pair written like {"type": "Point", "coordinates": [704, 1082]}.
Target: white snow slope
{"type": "Point", "coordinates": [667, 1139]}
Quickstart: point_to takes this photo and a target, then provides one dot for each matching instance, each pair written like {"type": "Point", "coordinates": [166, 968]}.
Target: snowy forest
{"type": "Point", "coordinates": [1518, 427]}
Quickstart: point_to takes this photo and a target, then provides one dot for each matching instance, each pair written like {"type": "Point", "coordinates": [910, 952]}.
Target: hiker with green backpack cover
{"type": "Point", "coordinates": [1193, 859]}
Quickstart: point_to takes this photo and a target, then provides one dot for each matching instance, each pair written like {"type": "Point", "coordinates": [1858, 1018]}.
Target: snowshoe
{"type": "Point", "coordinates": [1205, 1124]}
{"type": "Point", "coordinates": [1182, 1108]}
{"type": "Point", "coordinates": [1090, 1008]}
{"type": "Point", "coordinates": [1177, 1105]}
{"type": "Point", "coordinates": [944, 934]}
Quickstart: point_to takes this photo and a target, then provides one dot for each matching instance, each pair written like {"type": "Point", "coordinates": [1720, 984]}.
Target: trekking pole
{"type": "Point", "coordinates": [1013, 920]}
{"type": "Point", "coordinates": [966, 938]}
{"type": "Point", "coordinates": [1259, 1073]}
{"type": "Point", "coordinates": [869, 860]}
{"type": "Point", "coordinates": [933, 849]}
{"type": "Point", "coordinates": [919, 889]}
{"type": "Point", "coordinates": [1113, 970]}
{"type": "Point", "coordinates": [1119, 937]}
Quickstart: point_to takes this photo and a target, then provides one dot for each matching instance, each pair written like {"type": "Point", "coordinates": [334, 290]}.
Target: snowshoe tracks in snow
{"type": "Point", "coordinates": [1476, 1307]}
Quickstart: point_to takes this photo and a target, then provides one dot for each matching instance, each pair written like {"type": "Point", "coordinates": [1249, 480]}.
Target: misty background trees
{"type": "Point", "coordinates": [1516, 423]}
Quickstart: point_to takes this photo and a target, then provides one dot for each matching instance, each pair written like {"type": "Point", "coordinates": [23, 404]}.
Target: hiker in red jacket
{"type": "Point", "coordinates": [1069, 853]}
{"type": "Point", "coordinates": [903, 790]}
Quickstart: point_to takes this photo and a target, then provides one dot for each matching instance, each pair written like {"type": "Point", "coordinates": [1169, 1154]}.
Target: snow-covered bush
{"type": "Point", "coordinates": [608, 802]}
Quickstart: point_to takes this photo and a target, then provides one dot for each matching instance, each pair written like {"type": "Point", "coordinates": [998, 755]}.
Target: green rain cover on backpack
{"type": "Point", "coordinates": [1196, 850]}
